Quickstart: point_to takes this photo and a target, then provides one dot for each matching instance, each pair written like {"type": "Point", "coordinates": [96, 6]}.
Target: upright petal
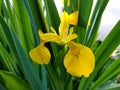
{"type": "Point", "coordinates": [64, 16]}
{"type": "Point", "coordinates": [73, 18]}
{"type": "Point", "coordinates": [66, 20]}
{"type": "Point", "coordinates": [79, 60]}
{"type": "Point", "coordinates": [63, 29]}
{"type": "Point", "coordinates": [40, 55]}
{"type": "Point", "coordinates": [64, 25]}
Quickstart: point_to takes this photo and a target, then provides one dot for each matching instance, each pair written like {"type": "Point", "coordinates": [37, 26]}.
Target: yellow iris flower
{"type": "Point", "coordinates": [78, 61]}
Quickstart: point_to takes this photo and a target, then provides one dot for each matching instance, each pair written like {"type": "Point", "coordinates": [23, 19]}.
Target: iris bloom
{"type": "Point", "coordinates": [78, 61]}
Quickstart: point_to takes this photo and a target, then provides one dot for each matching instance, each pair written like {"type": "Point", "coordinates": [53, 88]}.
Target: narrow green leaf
{"type": "Point", "coordinates": [104, 51]}
{"type": "Point", "coordinates": [54, 77]}
{"type": "Point", "coordinates": [8, 9]}
{"type": "Point", "coordinates": [80, 31]}
{"type": "Point", "coordinates": [4, 12]}
{"type": "Point", "coordinates": [38, 15]}
{"type": "Point", "coordinates": [74, 4]}
{"type": "Point", "coordinates": [110, 87]}
{"type": "Point", "coordinates": [23, 25]}
{"type": "Point", "coordinates": [93, 29]}
{"type": "Point", "coordinates": [52, 13]}
{"type": "Point", "coordinates": [95, 21]}
{"type": "Point", "coordinates": [11, 65]}
{"type": "Point", "coordinates": [6, 34]}
{"type": "Point", "coordinates": [23, 58]}
{"type": "Point", "coordinates": [13, 82]}
{"type": "Point", "coordinates": [84, 8]}
{"type": "Point", "coordinates": [94, 33]}
{"type": "Point", "coordinates": [32, 21]}
{"type": "Point", "coordinates": [26, 64]}
{"type": "Point", "coordinates": [35, 24]}
{"type": "Point", "coordinates": [107, 74]}
{"type": "Point", "coordinates": [42, 19]}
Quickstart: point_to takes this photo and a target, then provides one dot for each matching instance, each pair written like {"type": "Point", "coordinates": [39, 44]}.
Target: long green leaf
{"type": "Point", "coordinates": [11, 65]}
{"type": "Point", "coordinates": [21, 56]}
{"type": "Point", "coordinates": [107, 74]}
{"type": "Point", "coordinates": [38, 15]}
{"type": "Point", "coordinates": [23, 25]}
{"type": "Point", "coordinates": [32, 19]}
{"type": "Point", "coordinates": [13, 82]}
{"type": "Point", "coordinates": [52, 13]}
{"type": "Point", "coordinates": [9, 11]}
{"type": "Point", "coordinates": [84, 8]}
{"type": "Point", "coordinates": [104, 51]}
{"type": "Point", "coordinates": [26, 64]}
{"type": "Point", "coordinates": [93, 28]}
{"type": "Point", "coordinates": [6, 34]}
{"type": "Point", "coordinates": [95, 21]}
{"type": "Point", "coordinates": [110, 87]}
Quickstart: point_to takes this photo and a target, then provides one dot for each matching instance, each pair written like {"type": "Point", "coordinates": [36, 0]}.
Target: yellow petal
{"type": "Point", "coordinates": [79, 60]}
{"type": "Point", "coordinates": [40, 55]}
{"type": "Point", "coordinates": [49, 37]}
{"type": "Point", "coordinates": [72, 64]}
{"type": "Point", "coordinates": [73, 18]}
{"type": "Point", "coordinates": [71, 30]}
{"type": "Point", "coordinates": [66, 20]}
{"type": "Point", "coordinates": [69, 38]}
{"type": "Point", "coordinates": [53, 30]}
{"type": "Point", "coordinates": [63, 28]}
{"type": "Point", "coordinates": [64, 17]}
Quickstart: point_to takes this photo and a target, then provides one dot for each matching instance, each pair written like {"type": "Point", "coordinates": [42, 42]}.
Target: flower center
{"type": "Point", "coordinates": [75, 51]}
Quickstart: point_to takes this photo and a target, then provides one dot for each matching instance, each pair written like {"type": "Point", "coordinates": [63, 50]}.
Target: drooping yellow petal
{"type": "Point", "coordinates": [72, 64]}
{"type": "Point", "coordinates": [79, 60]}
{"type": "Point", "coordinates": [40, 54]}
{"type": "Point", "coordinates": [73, 18]}
{"type": "Point", "coordinates": [68, 2]}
